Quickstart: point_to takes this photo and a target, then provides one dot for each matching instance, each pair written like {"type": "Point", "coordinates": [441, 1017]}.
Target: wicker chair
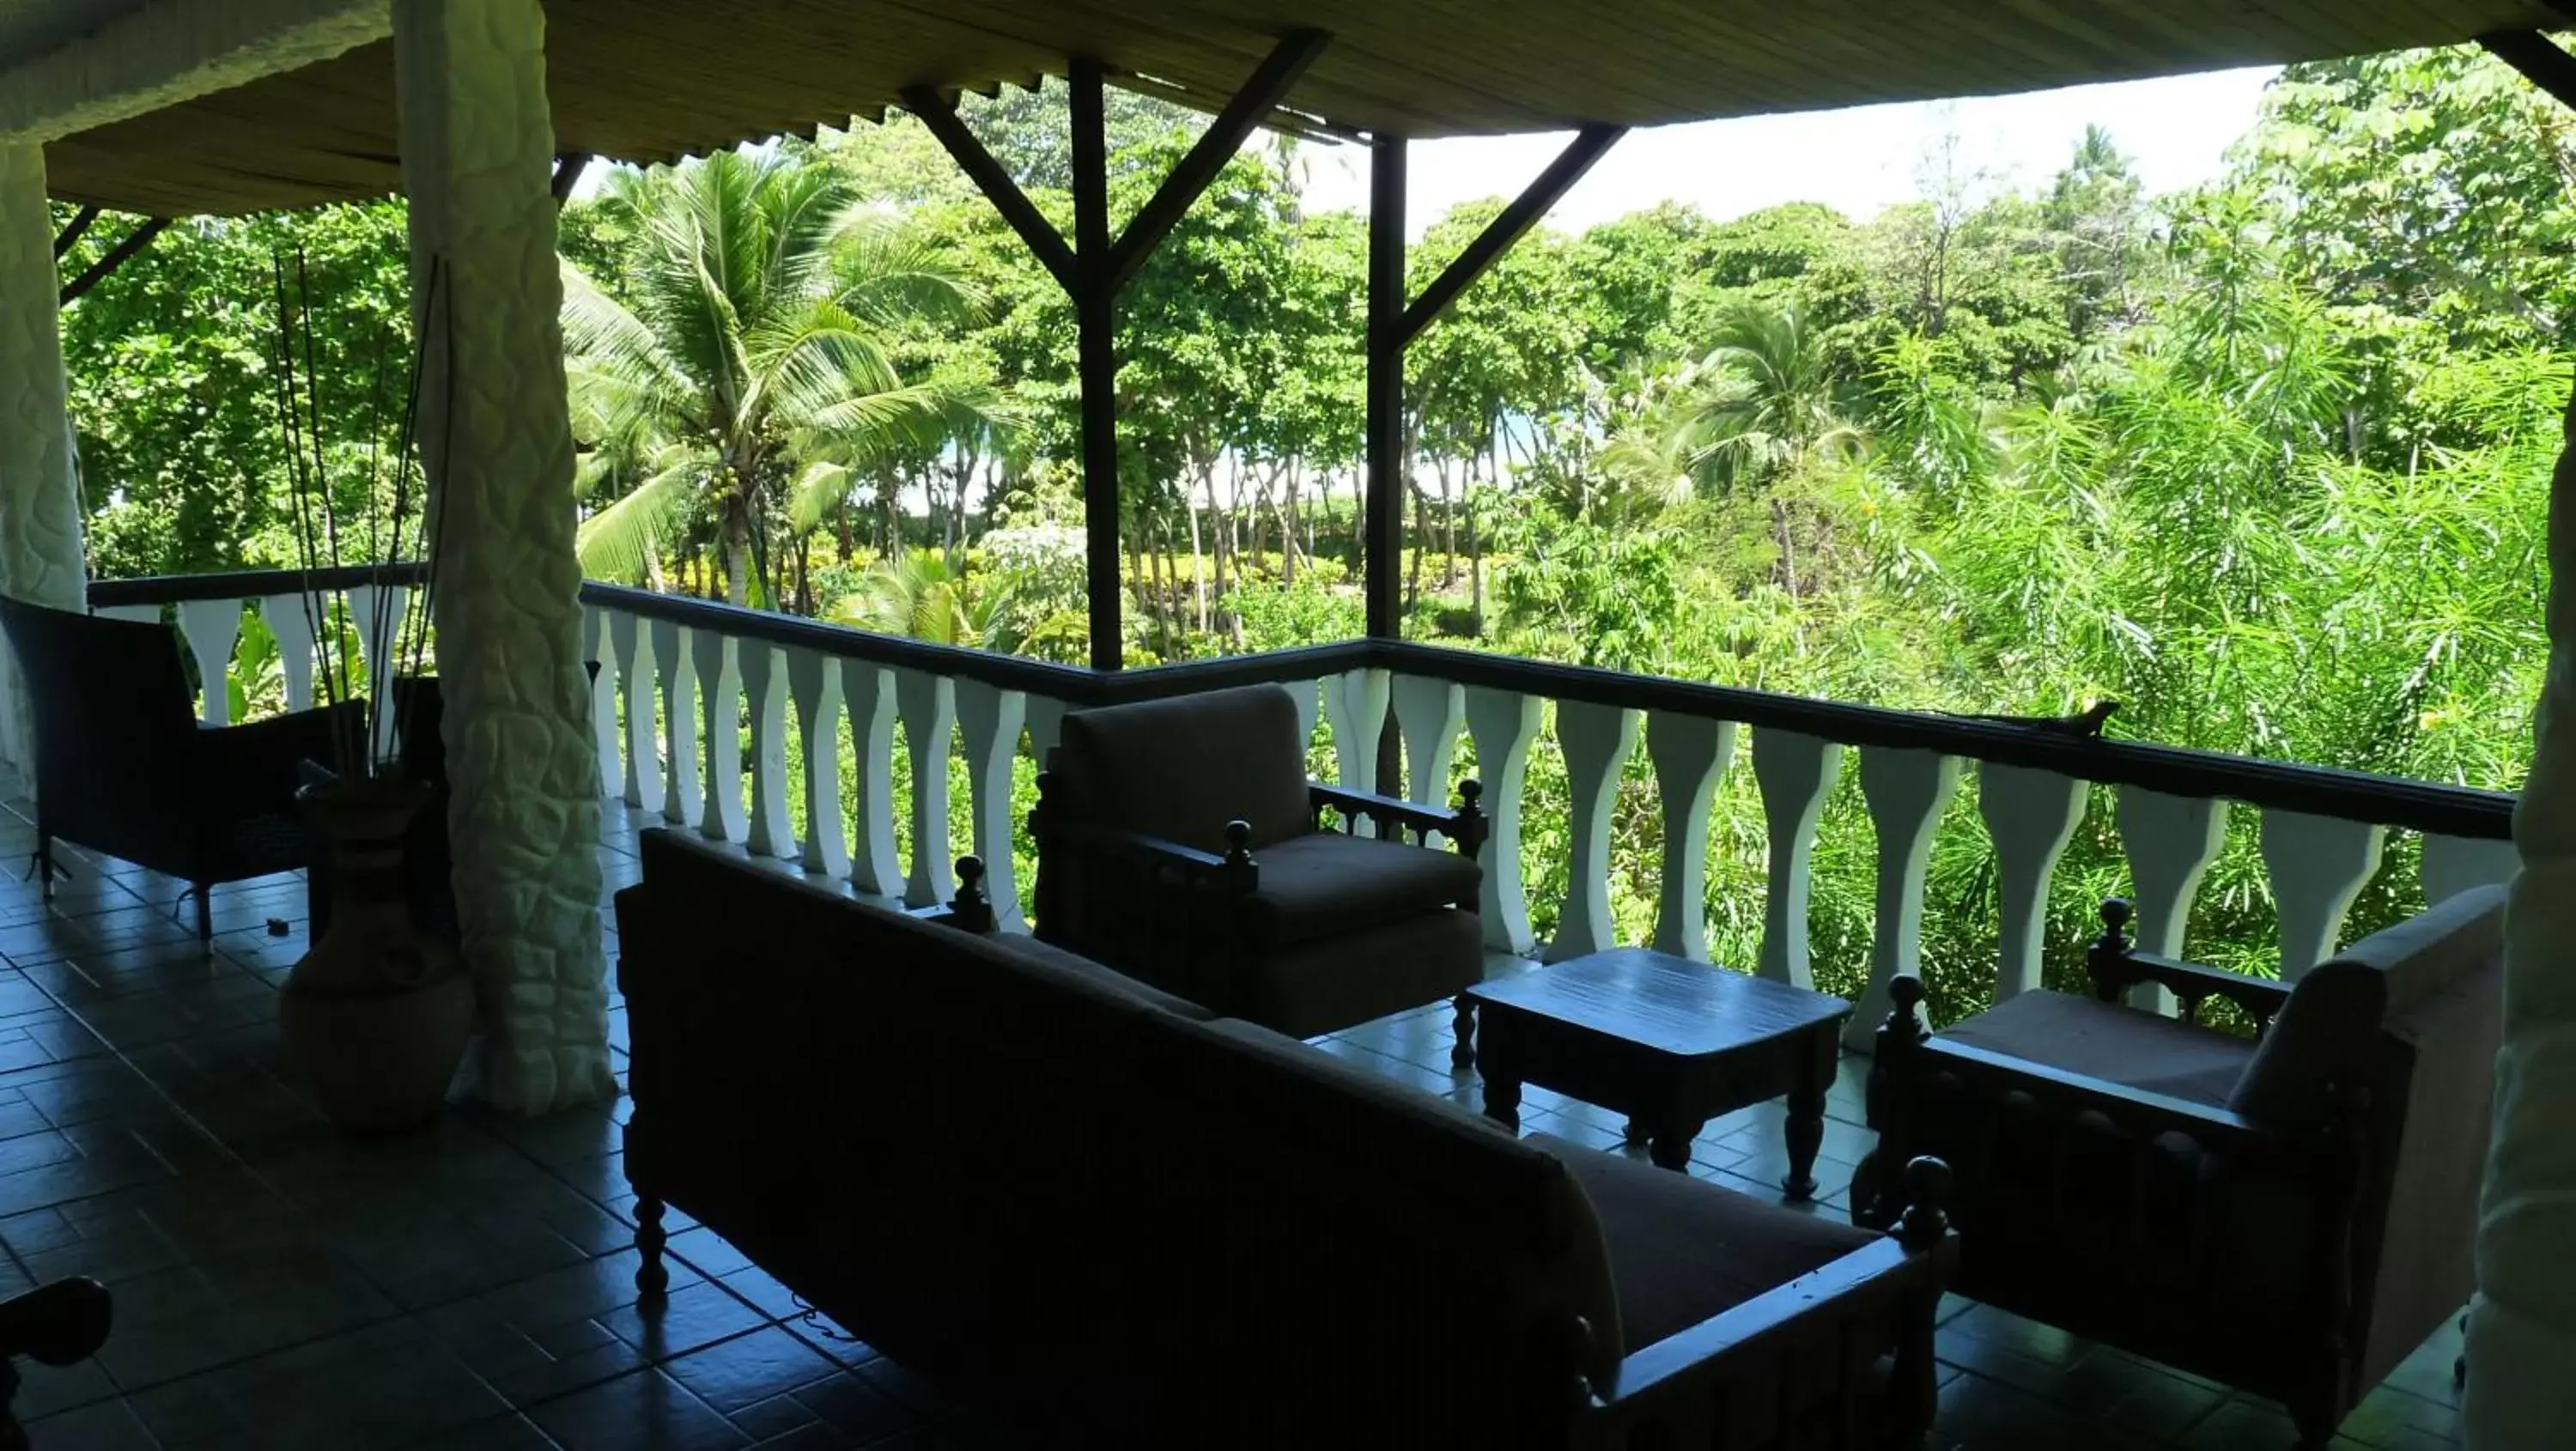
{"type": "Point", "coordinates": [123, 767]}
{"type": "Point", "coordinates": [1181, 842]}
{"type": "Point", "coordinates": [2291, 1214]}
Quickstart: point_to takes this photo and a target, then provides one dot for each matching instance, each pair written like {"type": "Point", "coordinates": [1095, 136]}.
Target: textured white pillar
{"type": "Point", "coordinates": [2522, 1323]}
{"type": "Point", "coordinates": [40, 521]}
{"type": "Point", "coordinates": [496, 440]}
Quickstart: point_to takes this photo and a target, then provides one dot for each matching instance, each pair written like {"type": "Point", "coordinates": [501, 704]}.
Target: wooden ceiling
{"type": "Point", "coordinates": [647, 80]}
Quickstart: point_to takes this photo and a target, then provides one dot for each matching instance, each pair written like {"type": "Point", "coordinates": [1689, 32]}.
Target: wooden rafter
{"type": "Point", "coordinates": [937, 113]}
{"type": "Point", "coordinates": [1223, 138]}
{"type": "Point", "coordinates": [1506, 228]}
{"type": "Point", "coordinates": [2542, 61]}
{"type": "Point", "coordinates": [72, 230]}
{"type": "Point", "coordinates": [117, 256]}
{"type": "Point", "coordinates": [568, 169]}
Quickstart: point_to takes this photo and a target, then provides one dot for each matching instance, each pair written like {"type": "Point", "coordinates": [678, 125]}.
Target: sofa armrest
{"type": "Point", "coordinates": [1464, 824]}
{"type": "Point", "coordinates": [2062, 1094]}
{"type": "Point", "coordinates": [256, 766]}
{"type": "Point", "coordinates": [2116, 967]}
{"type": "Point", "coordinates": [1664, 1390]}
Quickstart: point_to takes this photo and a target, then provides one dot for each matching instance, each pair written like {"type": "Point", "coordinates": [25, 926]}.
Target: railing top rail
{"type": "Point", "coordinates": [2282, 785]}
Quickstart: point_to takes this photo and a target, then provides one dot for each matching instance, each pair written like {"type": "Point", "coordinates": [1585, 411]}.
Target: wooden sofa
{"type": "Point", "coordinates": [1079, 1201]}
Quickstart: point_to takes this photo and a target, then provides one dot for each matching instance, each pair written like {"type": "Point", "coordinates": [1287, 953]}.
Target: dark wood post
{"type": "Point", "coordinates": [1384, 508]}
{"type": "Point", "coordinates": [1095, 317]}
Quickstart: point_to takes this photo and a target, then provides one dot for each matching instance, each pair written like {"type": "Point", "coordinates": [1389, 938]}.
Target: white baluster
{"type": "Point", "coordinates": [1689, 754]}
{"type": "Point", "coordinates": [928, 705]}
{"type": "Point", "coordinates": [2454, 864]}
{"type": "Point", "coordinates": [814, 679]}
{"type": "Point", "coordinates": [1795, 773]}
{"type": "Point", "coordinates": [1596, 741]}
{"type": "Point", "coordinates": [682, 796]}
{"type": "Point", "coordinates": [719, 667]}
{"type": "Point", "coordinates": [212, 626]}
{"type": "Point", "coordinates": [1355, 702]}
{"type": "Point", "coordinates": [633, 650]}
{"type": "Point", "coordinates": [1429, 714]}
{"type": "Point", "coordinates": [2031, 815]}
{"type": "Point", "coordinates": [1503, 724]}
{"type": "Point", "coordinates": [1306, 694]}
{"type": "Point", "coordinates": [2170, 842]}
{"type": "Point", "coordinates": [990, 719]}
{"type": "Point", "coordinates": [764, 690]}
{"type": "Point", "coordinates": [868, 692]}
{"type": "Point", "coordinates": [290, 620]}
{"type": "Point", "coordinates": [603, 697]}
{"type": "Point", "coordinates": [2318, 864]}
{"type": "Point", "coordinates": [378, 611]}
{"type": "Point", "coordinates": [1906, 792]}
{"type": "Point", "coordinates": [1046, 726]}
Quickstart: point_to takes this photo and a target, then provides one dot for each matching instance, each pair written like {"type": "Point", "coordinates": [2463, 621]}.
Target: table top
{"type": "Point", "coordinates": [1669, 1004]}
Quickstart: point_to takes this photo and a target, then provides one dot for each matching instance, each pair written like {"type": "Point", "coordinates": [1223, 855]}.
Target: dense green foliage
{"type": "Point", "coordinates": [2265, 461]}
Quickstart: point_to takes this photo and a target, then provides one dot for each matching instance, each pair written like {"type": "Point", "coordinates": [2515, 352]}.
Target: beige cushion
{"type": "Point", "coordinates": [1682, 1250]}
{"type": "Point", "coordinates": [1049, 958]}
{"type": "Point", "coordinates": [1322, 884]}
{"type": "Point", "coordinates": [2329, 1030]}
{"type": "Point", "coordinates": [1339, 982]}
{"type": "Point", "coordinates": [2110, 1042]}
{"type": "Point", "coordinates": [1180, 769]}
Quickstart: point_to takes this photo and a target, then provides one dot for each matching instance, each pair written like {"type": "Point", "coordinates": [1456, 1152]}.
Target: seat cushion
{"type": "Point", "coordinates": [1322, 884]}
{"type": "Point", "coordinates": [2330, 1028]}
{"type": "Point", "coordinates": [1339, 982]}
{"type": "Point", "coordinates": [1181, 768]}
{"type": "Point", "coordinates": [1047, 957]}
{"type": "Point", "coordinates": [1682, 1250]}
{"type": "Point", "coordinates": [2110, 1042]}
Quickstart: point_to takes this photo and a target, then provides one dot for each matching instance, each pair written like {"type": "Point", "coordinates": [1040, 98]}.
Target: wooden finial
{"type": "Point", "coordinates": [2115, 923]}
{"type": "Point", "coordinates": [969, 909]}
{"type": "Point", "coordinates": [1240, 873]}
{"type": "Point", "coordinates": [1472, 827]}
{"type": "Point", "coordinates": [1927, 1195]}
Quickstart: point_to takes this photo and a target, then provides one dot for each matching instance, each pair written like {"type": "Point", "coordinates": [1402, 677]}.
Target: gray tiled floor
{"type": "Point", "coordinates": [278, 1286]}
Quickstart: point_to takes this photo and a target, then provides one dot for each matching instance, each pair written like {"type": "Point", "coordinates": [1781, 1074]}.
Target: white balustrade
{"type": "Point", "coordinates": [2170, 842]}
{"type": "Point", "coordinates": [868, 694]}
{"type": "Point", "coordinates": [211, 628]}
{"type": "Point", "coordinates": [2318, 864]}
{"type": "Point", "coordinates": [1597, 741]}
{"type": "Point", "coordinates": [1504, 724]}
{"type": "Point", "coordinates": [1046, 724]}
{"type": "Point", "coordinates": [1689, 754]}
{"type": "Point", "coordinates": [1307, 694]}
{"type": "Point", "coordinates": [1906, 792]}
{"type": "Point", "coordinates": [633, 650]}
{"type": "Point", "coordinates": [990, 719]}
{"type": "Point", "coordinates": [928, 706]}
{"type": "Point", "coordinates": [764, 694]}
{"type": "Point", "coordinates": [814, 680]}
{"type": "Point", "coordinates": [1355, 704]}
{"type": "Point", "coordinates": [291, 620]}
{"type": "Point", "coordinates": [603, 689]}
{"type": "Point", "coordinates": [1429, 716]}
{"type": "Point", "coordinates": [673, 665]}
{"type": "Point", "coordinates": [719, 669]}
{"type": "Point", "coordinates": [2031, 816]}
{"type": "Point", "coordinates": [2454, 864]}
{"type": "Point", "coordinates": [1795, 774]}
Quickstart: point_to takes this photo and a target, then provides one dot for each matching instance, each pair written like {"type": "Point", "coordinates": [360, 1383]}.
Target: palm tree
{"type": "Point", "coordinates": [752, 335]}
{"type": "Point", "coordinates": [923, 594]}
{"type": "Point", "coordinates": [1765, 402]}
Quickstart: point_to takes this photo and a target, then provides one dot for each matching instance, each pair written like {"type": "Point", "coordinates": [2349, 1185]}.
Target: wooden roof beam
{"type": "Point", "coordinates": [568, 169]}
{"type": "Point", "coordinates": [1224, 137]}
{"type": "Point", "coordinates": [2542, 61]}
{"type": "Point", "coordinates": [98, 271]}
{"type": "Point", "coordinates": [1587, 147]}
{"type": "Point", "coordinates": [940, 115]}
{"type": "Point", "coordinates": [72, 229]}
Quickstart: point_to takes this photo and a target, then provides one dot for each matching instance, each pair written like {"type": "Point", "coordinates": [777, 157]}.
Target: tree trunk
{"type": "Point", "coordinates": [737, 548]}
{"type": "Point", "coordinates": [1198, 567]}
{"type": "Point", "coordinates": [1788, 545]}
{"type": "Point", "coordinates": [1448, 531]}
{"type": "Point", "coordinates": [1475, 573]}
{"type": "Point", "coordinates": [1421, 539]}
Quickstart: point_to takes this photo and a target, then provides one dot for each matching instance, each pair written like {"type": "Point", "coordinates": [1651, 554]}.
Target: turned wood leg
{"type": "Point", "coordinates": [1503, 1101]}
{"type": "Point", "coordinates": [1671, 1147]}
{"type": "Point", "coordinates": [1635, 1131]}
{"type": "Point", "coordinates": [651, 1276]}
{"type": "Point", "coordinates": [1806, 1127]}
{"type": "Point", "coordinates": [1462, 1056]}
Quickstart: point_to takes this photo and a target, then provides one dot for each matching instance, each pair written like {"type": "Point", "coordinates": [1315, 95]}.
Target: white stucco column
{"type": "Point", "coordinates": [2522, 1325]}
{"type": "Point", "coordinates": [40, 519]}
{"type": "Point", "coordinates": [496, 437]}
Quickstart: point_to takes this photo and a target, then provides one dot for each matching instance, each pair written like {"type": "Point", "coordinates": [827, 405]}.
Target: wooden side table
{"type": "Point", "coordinates": [1670, 1043]}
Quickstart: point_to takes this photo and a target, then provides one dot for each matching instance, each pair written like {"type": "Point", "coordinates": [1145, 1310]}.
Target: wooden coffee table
{"type": "Point", "coordinates": [1670, 1043]}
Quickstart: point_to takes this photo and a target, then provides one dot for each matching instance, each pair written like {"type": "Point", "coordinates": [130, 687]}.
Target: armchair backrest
{"type": "Point", "coordinates": [1181, 768]}
{"type": "Point", "coordinates": [106, 695]}
{"type": "Point", "coordinates": [2330, 1032]}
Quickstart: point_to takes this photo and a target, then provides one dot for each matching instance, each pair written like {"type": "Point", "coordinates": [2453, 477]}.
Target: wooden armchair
{"type": "Point", "coordinates": [123, 767]}
{"type": "Point", "coordinates": [2291, 1214]}
{"type": "Point", "coordinates": [1182, 842]}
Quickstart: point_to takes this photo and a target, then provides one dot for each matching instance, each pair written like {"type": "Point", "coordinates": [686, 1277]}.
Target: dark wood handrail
{"type": "Point", "coordinates": [2277, 785]}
